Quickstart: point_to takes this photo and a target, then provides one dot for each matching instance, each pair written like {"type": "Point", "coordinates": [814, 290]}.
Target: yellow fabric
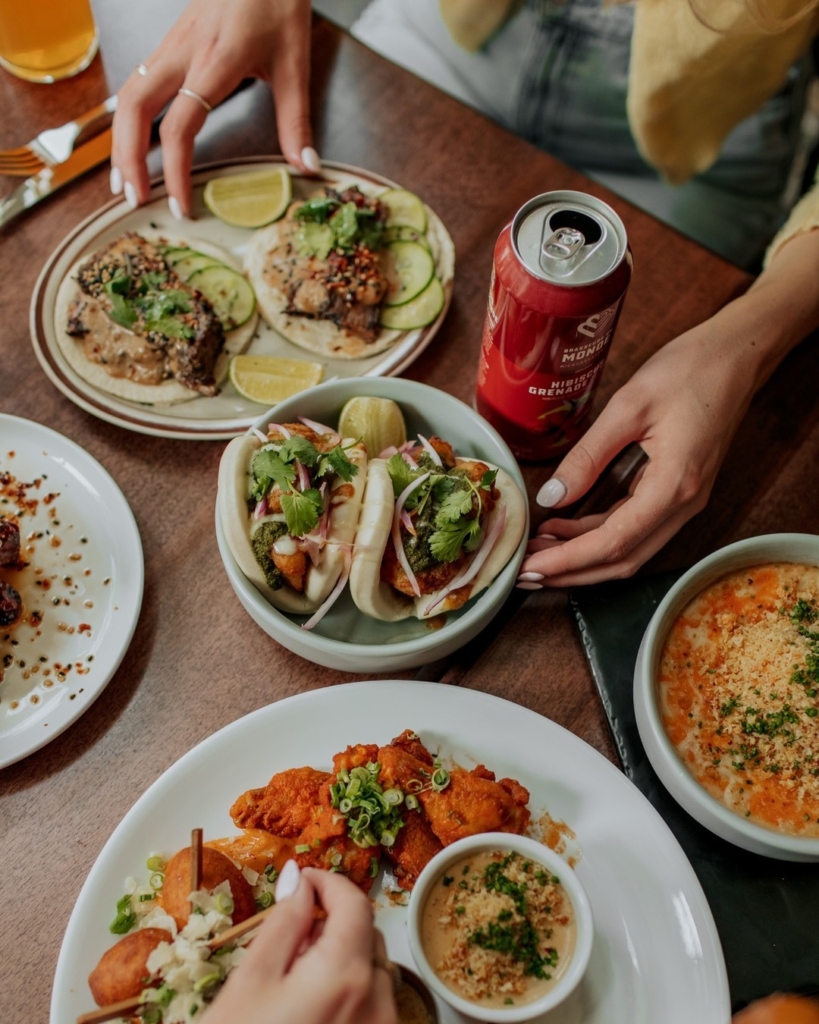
{"type": "Point", "coordinates": [690, 83]}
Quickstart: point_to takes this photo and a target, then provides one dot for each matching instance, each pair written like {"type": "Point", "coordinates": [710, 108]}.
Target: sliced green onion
{"type": "Point", "coordinates": [125, 919]}
{"type": "Point", "coordinates": [336, 859]}
{"type": "Point", "coordinates": [415, 785]}
{"type": "Point", "coordinates": [264, 900]}
{"type": "Point", "coordinates": [224, 903]}
{"type": "Point", "coordinates": [394, 797]}
{"type": "Point", "coordinates": [157, 880]}
{"type": "Point", "coordinates": [145, 896]}
{"type": "Point", "coordinates": [303, 848]}
{"type": "Point", "coordinates": [387, 839]}
{"type": "Point", "coordinates": [440, 779]}
{"type": "Point", "coordinates": [155, 863]}
{"type": "Point", "coordinates": [151, 1015]}
{"type": "Point", "coordinates": [271, 874]}
{"type": "Point", "coordinates": [411, 802]}
{"type": "Point", "coordinates": [345, 805]}
{"type": "Point", "coordinates": [373, 866]}
{"type": "Point", "coordinates": [207, 982]}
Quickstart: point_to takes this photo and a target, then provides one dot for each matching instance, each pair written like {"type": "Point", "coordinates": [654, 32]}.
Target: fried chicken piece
{"type": "Point", "coordinates": [410, 742]}
{"type": "Point", "coordinates": [285, 806]}
{"type": "Point", "coordinates": [415, 845]}
{"type": "Point", "coordinates": [401, 769]}
{"type": "Point", "coordinates": [292, 567]}
{"type": "Point", "coordinates": [473, 802]}
{"type": "Point", "coordinates": [445, 450]}
{"type": "Point", "coordinates": [329, 846]}
{"type": "Point", "coordinates": [355, 757]}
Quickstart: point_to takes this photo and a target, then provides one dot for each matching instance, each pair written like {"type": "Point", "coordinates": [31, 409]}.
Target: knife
{"type": "Point", "coordinates": [42, 185]}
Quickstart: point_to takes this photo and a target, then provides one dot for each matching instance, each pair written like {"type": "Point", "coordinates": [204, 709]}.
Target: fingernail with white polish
{"type": "Point", "coordinates": [311, 159]}
{"type": "Point", "coordinates": [288, 881]}
{"type": "Point", "coordinates": [175, 208]}
{"type": "Point", "coordinates": [130, 195]}
{"type": "Point", "coordinates": [530, 577]}
{"type": "Point", "coordinates": [529, 586]}
{"type": "Point", "coordinates": [551, 493]}
{"type": "Point", "coordinates": [547, 536]}
{"type": "Point", "coordinates": [116, 181]}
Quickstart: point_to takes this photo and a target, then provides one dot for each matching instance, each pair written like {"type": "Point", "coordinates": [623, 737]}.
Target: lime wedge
{"type": "Point", "coordinates": [269, 379]}
{"type": "Point", "coordinates": [379, 423]}
{"type": "Point", "coordinates": [249, 200]}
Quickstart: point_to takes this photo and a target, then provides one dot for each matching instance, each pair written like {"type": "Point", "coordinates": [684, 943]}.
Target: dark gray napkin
{"type": "Point", "coordinates": [766, 911]}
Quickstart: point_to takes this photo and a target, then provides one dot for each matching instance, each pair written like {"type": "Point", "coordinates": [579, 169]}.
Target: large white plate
{"type": "Point", "coordinates": [227, 414]}
{"type": "Point", "coordinates": [88, 589]}
{"type": "Point", "coordinates": [656, 954]}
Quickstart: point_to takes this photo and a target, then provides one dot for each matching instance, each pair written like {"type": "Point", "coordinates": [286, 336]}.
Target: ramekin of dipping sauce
{"type": "Point", "coordinates": [500, 927]}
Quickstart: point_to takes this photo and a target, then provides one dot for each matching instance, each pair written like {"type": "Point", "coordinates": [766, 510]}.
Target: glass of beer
{"type": "Point", "coordinates": [46, 41]}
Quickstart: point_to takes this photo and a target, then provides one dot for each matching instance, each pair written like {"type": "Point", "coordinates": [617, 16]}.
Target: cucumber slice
{"type": "Point", "coordinates": [403, 233]}
{"type": "Point", "coordinates": [404, 208]}
{"type": "Point", "coordinates": [174, 255]}
{"type": "Point", "coordinates": [408, 268]}
{"type": "Point", "coordinates": [188, 265]}
{"type": "Point", "coordinates": [228, 292]}
{"type": "Point", "coordinates": [419, 312]}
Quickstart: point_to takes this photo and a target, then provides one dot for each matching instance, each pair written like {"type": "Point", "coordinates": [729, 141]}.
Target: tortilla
{"type": "Point", "coordinates": [232, 495]}
{"type": "Point", "coordinates": [323, 336]}
{"type": "Point", "coordinates": [169, 391]}
{"type": "Point", "coordinates": [375, 597]}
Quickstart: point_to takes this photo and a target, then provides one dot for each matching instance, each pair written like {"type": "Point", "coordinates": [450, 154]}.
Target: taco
{"type": "Point", "coordinates": [321, 274]}
{"type": "Point", "coordinates": [289, 505]}
{"type": "Point", "coordinates": [129, 324]}
{"type": "Point", "coordinates": [434, 531]}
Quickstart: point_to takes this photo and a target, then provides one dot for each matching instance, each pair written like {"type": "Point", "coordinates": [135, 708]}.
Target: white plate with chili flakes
{"type": "Point", "coordinates": [80, 585]}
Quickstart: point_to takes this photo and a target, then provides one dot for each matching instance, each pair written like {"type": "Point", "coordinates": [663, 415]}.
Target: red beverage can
{"type": "Point", "coordinates": [560, 274]}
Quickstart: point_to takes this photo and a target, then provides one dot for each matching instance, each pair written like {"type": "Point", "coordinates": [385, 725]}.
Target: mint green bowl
{"type": "Point", "coordinates": [345, 639]}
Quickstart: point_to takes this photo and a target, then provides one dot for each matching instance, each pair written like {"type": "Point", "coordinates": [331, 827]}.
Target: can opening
{"type": "Point", "coordinates": [576, 221]}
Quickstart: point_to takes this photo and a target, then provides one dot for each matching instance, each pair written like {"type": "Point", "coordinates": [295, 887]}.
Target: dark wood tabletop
{"type": "Point", "coordinates": [182, 678]}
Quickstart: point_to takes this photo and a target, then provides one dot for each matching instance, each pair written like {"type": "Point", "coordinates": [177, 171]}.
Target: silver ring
{"type": "Point", "coordinates": [195, 96]}
{"type": "Point", "coordinates": [141, 70]}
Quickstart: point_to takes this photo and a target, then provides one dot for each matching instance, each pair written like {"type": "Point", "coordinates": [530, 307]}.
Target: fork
{"type": "Point", "coordinates": [52, 146]}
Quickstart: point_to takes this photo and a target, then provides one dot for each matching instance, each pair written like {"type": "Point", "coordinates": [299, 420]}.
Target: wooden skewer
{"type": "Point", "coordinates": [238, 930]}
{"type": "Point", "coordinates": [125, 1008]}
{"type": "Point", "coordinates": [196, 860]}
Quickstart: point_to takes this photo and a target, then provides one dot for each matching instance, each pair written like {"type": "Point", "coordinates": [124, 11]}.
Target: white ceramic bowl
{"type": "Point", "coordinates": [775, 547]}
{"type": "Point", "coordinates": [540, 854]}
{"type": "Point", "coordinates": [345, 639]}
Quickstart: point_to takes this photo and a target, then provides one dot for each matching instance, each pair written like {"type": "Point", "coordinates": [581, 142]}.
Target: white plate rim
{"type": "Point", "coordinates": [126, 626]}
{"type": "Point", "coordinates": [394, 362]}
{"type": "Point", "coordinates": [697, 929]}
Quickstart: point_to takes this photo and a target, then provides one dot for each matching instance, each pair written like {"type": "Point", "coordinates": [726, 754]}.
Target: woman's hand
{"type": "Point", "coordinates": [299, 971]}
{"type": "Point", "coordinates": [210, 49]}
{"type": "Point", "coordinates": [682, 407]}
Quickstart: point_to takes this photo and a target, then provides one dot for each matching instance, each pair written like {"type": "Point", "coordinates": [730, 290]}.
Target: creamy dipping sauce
{"type": "Point", "coordinates": [498, 929]}
{"type": "Point", "coordinates": [738, 691]}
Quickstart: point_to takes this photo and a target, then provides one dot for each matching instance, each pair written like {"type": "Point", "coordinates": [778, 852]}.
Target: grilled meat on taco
{"type": "Point", "coordinates": [130, 325]}
{"type": "Point", "coordinates": [289, 506]}
{"type": "Point", "coordinates": [435, 529]}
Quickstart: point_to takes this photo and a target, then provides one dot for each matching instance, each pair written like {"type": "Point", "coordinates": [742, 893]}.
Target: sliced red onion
{"type": "Point", "coordinates": [388, 452]}
{"type": "Point", "coordinates": [304, 476]}
{"type": "Point", "coordinates": [334, 595]}
{"type": "Point", "coordinates": [260, 509]}
{"type": "Point", "coordinates": [407, 446]}
{"type": "Point", "coordinates": [410, 461]}
{"type": "Point", "coordinates": [262, 437]}
{"type": "Point", "coordinates": [436, 458]}
{"type": "Point", "coordinates": [481, 555]}
{"type": "Point", "coordinates": [277, 428]}
{"type": "Point", "coordinates": [320, 428]}
{"type": "Point", "coordinates": [405, 519]}
{"type": "Point", "coordinates": [324, 522]}
{"type": "Point", "coordinates": [396, 532]}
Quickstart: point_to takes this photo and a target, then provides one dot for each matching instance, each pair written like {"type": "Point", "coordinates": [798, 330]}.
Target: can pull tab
{"type": "Point", "coordinates": [560, 248]}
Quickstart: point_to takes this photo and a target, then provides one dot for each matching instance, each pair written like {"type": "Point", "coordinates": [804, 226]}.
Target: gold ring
{"type": "Point", "coordinates": [195, 96]}
{"type": "Point", "coordinates": [392, 969]}
{"type": "Point", "coordinates": [141, 70]}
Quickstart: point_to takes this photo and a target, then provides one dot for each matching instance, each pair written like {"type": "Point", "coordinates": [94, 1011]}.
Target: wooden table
{"type": "Point", "coordinates": [197, 661]}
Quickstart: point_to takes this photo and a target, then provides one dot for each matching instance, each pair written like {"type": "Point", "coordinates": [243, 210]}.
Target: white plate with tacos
{"type": "Point", "coordinates": [129, 318]}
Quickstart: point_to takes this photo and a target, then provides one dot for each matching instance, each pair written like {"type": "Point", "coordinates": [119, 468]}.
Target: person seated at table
{"type": "Point", "coordinates": [692, 87]}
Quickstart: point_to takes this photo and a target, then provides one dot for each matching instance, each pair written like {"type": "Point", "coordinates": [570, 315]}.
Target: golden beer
{"type": "Point", "coordinates": [46, 40]}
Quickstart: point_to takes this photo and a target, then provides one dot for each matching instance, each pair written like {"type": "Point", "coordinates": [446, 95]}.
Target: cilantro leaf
{"type": "Point", "coordinates": [446, 542]}
{"type": "Point", "coordinates": [267, 469]}
{"type": "Point", "coordinates": [317, 209]}
{"type": "Point", "coordinates": [297, 447]}
{"type": "Point", "coordinates": [400, 473]}
{"type": "Point", "coordinates": [337, 461]}
{"type": "Point", "coordinates": [455, 506]}
{"type": "Point", "coordinates": [344, 223]}
{"type": "Point", "coordinates": [488, 479]}
{"type": "Point", "coordinates": [302, 511]}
